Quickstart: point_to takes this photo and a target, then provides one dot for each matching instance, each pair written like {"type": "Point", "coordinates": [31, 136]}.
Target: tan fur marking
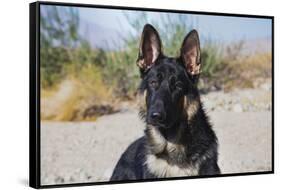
{"type": "Point", "coordinates": [141, 101]}
{"type": "Point", "coordinates": [191, 107]}
{"type": "Point", "coordinates": [161, 168]}
{"type": "Point", "coordinates": [157, 143]}
{"type": "Point", "coordinates": [141, 63]}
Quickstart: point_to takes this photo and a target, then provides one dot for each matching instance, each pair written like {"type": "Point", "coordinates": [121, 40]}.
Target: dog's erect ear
{"type": "Point", "coordinates": [190, 53]}
{"type": "Point", "coordinates": [150, 47]}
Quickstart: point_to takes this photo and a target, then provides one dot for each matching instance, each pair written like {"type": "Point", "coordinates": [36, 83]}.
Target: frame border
{"type": "Point", "coordinates": [34, 96]}
{"type": "Point", "coordinates": [34, 93]}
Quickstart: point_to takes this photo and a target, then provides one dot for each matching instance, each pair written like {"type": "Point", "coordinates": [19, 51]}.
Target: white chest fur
{"type": "Point", "coordinates": [161, 168]}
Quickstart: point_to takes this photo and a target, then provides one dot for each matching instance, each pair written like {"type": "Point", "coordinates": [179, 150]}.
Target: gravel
{"type": "Point", "coordinates": [77, 152]}
{"type": "Point", "coordinates": [247, 100]}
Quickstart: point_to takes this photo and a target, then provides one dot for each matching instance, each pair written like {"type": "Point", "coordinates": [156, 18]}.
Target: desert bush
{"type": "Point", "coordinates": [246, 71]}
{"type": "Point", "coordinates": [81, 90]}
{"type": "Point", "coordinates": [59, 40]}
{"type": "Point", "coordinates": [211, 59]}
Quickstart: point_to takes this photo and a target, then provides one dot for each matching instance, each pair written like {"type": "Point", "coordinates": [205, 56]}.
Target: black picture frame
{"type": "Point", "coordinates": [34, 92]}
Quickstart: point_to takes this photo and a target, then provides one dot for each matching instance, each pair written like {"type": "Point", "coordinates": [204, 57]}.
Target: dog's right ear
{"type": "Point", "coordinates": [190, 55]}
{"type": "Point", "coordinates": [149, 49]}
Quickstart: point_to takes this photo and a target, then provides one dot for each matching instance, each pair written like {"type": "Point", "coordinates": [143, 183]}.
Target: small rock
{"type": "Point", "coordinates": [266, 86]}
{"type": "Point", "coordinates": [237, 108]}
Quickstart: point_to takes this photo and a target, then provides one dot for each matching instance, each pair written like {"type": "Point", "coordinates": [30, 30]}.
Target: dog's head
{"type": "Point", "coordinates": [169, 85]}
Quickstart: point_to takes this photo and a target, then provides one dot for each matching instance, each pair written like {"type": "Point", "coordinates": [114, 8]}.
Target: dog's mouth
{"type": "Point", "coordinates": [158, 125]}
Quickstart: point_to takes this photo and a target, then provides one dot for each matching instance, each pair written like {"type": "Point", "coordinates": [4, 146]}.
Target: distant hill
{"type": "Point", "coordinates": [100, 36]}
{"type": "Point", "coordinates": [250, 46]}
{"type": "Point", "coordinates": [258, 45]}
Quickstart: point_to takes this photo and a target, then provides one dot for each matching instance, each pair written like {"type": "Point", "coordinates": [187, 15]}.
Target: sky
{"type": "Point", "coordinates": [101, 25]}
{"type": "Point", "coordinates": [225, 28]}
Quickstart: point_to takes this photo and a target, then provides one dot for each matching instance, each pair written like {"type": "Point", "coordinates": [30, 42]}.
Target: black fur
{"type": "Point", "coordinates": [178, 131]}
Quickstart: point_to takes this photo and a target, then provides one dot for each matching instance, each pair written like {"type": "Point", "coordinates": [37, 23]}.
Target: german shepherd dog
{"type": "Point", "coordinates": [179, 140]}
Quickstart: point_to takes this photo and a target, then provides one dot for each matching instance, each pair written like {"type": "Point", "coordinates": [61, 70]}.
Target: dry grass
{"type": "Point", "coordinates": [68, 100]}
{"type": "Point", "coordinates": [246, 72]}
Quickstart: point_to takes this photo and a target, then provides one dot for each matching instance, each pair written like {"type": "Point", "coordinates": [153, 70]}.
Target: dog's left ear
{"type": "Point", "coordinates": [190, 54]}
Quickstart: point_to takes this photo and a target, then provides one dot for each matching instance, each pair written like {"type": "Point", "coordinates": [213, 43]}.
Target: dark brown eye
{"type": "Point", "coordinates": [160, 76]}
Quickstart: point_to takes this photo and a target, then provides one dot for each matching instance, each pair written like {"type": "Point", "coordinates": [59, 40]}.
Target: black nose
{"type": "Point", "coordinates": [157, 116]}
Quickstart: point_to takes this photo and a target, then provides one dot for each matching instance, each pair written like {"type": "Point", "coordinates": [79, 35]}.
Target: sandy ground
{"type": "Point", "coordinates": [73, 152]}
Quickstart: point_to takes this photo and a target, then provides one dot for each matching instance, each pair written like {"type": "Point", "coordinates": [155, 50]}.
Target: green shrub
{"type": "Point", "coordinates": [211, 59]}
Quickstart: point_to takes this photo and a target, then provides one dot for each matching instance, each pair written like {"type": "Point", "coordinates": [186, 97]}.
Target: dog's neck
{"type": "Point", "coordinates": [167, 155]}
{"type": "Point", "coordinates": [168, 143]}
